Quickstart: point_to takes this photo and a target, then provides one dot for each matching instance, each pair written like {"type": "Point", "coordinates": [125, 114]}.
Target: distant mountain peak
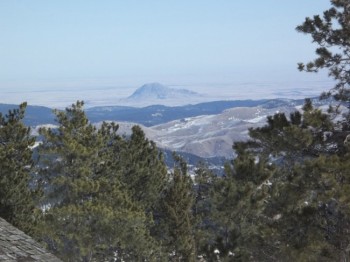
{"type": "Point", "coordinates": [159, 92]}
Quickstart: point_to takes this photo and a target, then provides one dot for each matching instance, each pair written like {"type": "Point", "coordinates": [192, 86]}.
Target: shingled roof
{"type": "Point", "coordinates": [17, 246]}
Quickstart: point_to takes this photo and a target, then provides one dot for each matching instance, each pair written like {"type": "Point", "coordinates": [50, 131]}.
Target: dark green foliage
{"type": "Point", "coordinates": [331, 33]}
{"type": "Point", "coordinates": [143, 169]}
{"type": "Point", "coordinates": [285, 195]}
{"type": "Point", "coordinates": [288, 192]}
{"type": "Point", "coordinates": [177, 221]}
{"type": "Point", "coordinates": [92, 215]}
{"type": "Point", "coordinates": [240, 200]}
{"type": "Point", "coordinates": [314, 202]}
{"type": "Point", "coordinates": [16, 197]}
{"type": "Point", "coordinates": [205, 230]}
{"type": "Point", "coordinates": [293, 139]}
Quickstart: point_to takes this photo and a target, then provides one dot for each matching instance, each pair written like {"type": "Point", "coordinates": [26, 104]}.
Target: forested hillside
{"type": "Point", "coordinates": [90, 194]}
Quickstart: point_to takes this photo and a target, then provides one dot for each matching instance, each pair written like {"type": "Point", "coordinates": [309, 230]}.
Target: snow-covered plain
{"type": "Point", "coordinates": [112, 95]}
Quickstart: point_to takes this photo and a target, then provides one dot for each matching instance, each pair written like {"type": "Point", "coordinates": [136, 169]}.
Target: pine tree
{"type": "Point", "coordinates": [90, 214]}
{"type": "Point", "coordinates": [16, 192]}
{"type": "Point", "coordinates": [300, 136]}
{"type": "Point", "coordinates": [306, 207]}
{"type": "Point", "coordinates": [143, 169]}
{"type": "Point", "coordinates": [240, 199]}
{"type": "Point", "coordinates": [205, 230]}
{"type": "Point", "coordinates": [286, 195]}
{"type": "Point", "coordinates": [177, 221]}
{"type": "Point", "coordinates": [314, 204]}
{"type": "Point", "coordinates": [331, 33]}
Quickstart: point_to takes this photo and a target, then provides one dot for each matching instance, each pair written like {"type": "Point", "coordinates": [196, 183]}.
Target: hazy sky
{"type": "Point", "coordinates": [114, 42]}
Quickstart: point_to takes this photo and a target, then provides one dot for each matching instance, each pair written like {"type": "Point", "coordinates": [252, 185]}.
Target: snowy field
{"type": "Point", "coordinates": [111, 95]}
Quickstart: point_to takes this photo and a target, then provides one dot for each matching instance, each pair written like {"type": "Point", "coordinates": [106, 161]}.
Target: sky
{"type": "Point", "coordinates": [53, 45]}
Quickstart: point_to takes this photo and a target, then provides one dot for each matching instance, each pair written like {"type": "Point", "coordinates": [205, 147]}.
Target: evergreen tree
{"type": "Point", "coordinates": [306, 206]}
{"type": "Point", "coordinates": [331, 33]}
{"type": "Point", "coordinates": [16, 194]}
{"type": "Point", "coordinates": [286, 195]}
{"type": "Point", "coordinates": [143, 169]}
{"type": "Point", "coordinates": [205, 230]}
{"type": "Point", "coordinates": [90, 214]}
{"type": "Point", "coordinates": [240, 199]}
{"type": "Point", "coordinates": [313, 203]}
{"type": "Point", "coordinates": [302, 135]}
{"type": "Point", "coordinates": [177, 221]}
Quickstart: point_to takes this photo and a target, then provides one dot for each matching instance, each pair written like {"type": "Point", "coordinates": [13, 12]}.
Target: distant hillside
{"type": "Point", "coordinates": [157, 114]}
{"type": "Point", "coordinates": [147, 116]}
{"type": "Point", "coordinates": [35, 115]}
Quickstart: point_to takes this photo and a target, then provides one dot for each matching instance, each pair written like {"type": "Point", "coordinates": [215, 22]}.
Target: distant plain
{"type": "Point", "coordinates": [115, 94]}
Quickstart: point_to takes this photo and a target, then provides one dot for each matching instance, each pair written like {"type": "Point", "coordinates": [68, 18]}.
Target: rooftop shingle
{"type": "Point", "coordinates": [17, 246]}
